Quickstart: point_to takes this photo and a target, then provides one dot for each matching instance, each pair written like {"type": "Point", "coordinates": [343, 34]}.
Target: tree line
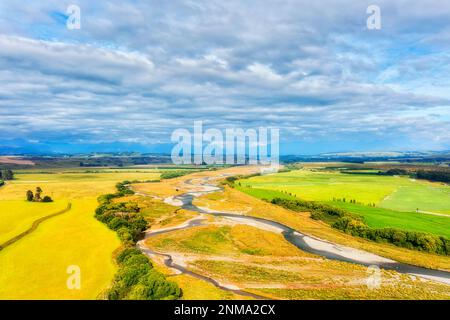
{"type": "Point", "coordinates": [395, 172]}
{"type": "Point", "coordinates": [5, 175]}
{"type": "Point", "coordinates": [136, 278]}
{"type": "Point", "coordinates": [174, 174]}
{"type": "Point", "coordinates": [431, 175]}
{"type": "Point", "coordinates": [439, 176]}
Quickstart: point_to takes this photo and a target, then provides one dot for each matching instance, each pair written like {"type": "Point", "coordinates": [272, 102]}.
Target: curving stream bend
{"type": "Point", "coordinates": [302, 241]}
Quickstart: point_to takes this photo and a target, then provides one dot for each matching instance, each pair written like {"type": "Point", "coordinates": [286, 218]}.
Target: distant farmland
{"type": "Point", "coordinates": [15, 160]}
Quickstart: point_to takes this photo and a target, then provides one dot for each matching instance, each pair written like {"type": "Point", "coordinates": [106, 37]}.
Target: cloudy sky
{"type": "Point", "coordinates": [137, 70]}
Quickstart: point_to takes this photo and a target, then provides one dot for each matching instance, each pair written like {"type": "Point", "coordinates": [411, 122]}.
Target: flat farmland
{"type": "Point", "coordinates": [69, 185]}
{"type": "Point", "coordinates": [17, 215]}
{"type": "Point", "coordinates": [422, 197]}
{"type": "Point", "coordinates": [396, 198]}
{"type": "Point", "coordinates": [364, 188]}
{"type": "Point", "coordinates": [35, 267]}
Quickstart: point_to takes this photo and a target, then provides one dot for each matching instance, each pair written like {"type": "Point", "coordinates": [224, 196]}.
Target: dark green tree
{"type": "Point", "coordinates": [30, 195]}
{"type": "Point", "coordinates": [47, 199]}
{"type": "Point", "coordinates": [6, 174]}
{"type": "Point", "coordinates": [37, 195]}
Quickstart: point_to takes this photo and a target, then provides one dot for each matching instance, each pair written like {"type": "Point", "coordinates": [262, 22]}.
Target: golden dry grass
{"type": "Point", "coordinates": [226, 240]}
{"type": "Point", "coordinates": [247, 257]}
{"type": "Point", "coordinates": [196, 289]}
{"type": "Point", "coordinates": [389, 291]}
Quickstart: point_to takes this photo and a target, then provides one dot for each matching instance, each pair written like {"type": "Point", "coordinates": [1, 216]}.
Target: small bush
{"type": "Point", "coordinates": [174, 174]}
{"type": "Point", "coordinates": [47, 199]}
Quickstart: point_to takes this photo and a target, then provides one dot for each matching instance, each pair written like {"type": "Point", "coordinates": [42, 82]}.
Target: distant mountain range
{"type": "Point", "coordinates": [384, 154]}
{"type": "Point", "coordinates": [360, 156]}
{"type": "Point", "coordinates": [408, 156]}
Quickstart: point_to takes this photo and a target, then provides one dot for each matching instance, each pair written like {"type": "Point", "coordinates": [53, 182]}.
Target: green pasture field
{"type": "Point", "coordinates": [324, 186]}
{"type": "Point", "coordinates": [396, 198]}
{"type": "Point", "coordinates": [411, 221]}
{"type": "Point", "coordinates": [390, 192]}
{"type": "Point", "coordinates": [428, 197]}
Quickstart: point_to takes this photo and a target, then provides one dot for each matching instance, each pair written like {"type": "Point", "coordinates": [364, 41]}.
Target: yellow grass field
{"type": "Point", "coordinates": [60, 185]}
{"type": "Point", "coordinates": [17, 216]}
{"type": "Point", "coordinates": [35, 267]}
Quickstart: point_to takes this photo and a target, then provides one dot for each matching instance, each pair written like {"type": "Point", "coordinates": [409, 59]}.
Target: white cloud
{"type": "Point", "coordinates": [135, 70]}
{"type": "Point", "coordinates": [264, 72]}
